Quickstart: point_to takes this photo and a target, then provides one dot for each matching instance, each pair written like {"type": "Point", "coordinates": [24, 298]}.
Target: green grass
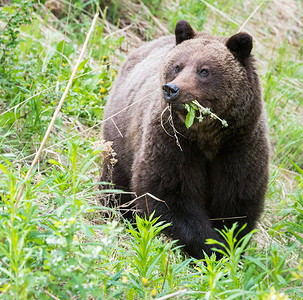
{"type": "Point", "coordinates": [57, 242]}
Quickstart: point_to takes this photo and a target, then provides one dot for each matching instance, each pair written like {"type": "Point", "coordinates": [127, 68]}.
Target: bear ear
{"type": "Point", "coordinates": [240, 45]}
{"type": "Point", "coordinates": [183, 31]}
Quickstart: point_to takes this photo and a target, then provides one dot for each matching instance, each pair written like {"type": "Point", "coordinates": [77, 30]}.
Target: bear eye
{"type": "Point", "coordinates": [204, 73]}
{"type": "Point", "coordinates": [177, 69]}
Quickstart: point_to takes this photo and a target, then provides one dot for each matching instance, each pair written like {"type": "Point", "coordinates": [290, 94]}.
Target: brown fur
{"type": "Point", "coordinates": [220, 172]}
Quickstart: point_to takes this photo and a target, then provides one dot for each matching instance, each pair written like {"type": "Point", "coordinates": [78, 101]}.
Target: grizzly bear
{"type": "Point", "coordinates": [202, 178]}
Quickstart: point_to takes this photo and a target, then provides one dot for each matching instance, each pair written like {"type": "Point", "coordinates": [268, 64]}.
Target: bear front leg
{"type": "Point", "coordinates": [190, 224]}
{"type": "Point", "coordinates": [239, 183]}
{"type": "Point", "coordinates": [191, 227]}
{"type": "Point", "coordinates": [179, 180]}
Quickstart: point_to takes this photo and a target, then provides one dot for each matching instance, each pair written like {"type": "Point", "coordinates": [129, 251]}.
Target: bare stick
{"type": "Point", "coordinates": [171, 121]}
{"type": "Point", "coordinates": [163, 28]}
{"type": "Point", "coordinates": [144, 195]}
{"type": "Point", "coordinates": [51, 295]}
{"type": "Point", "coordinates": [219, 12]}
{"type": "Point", "coordinates": [251, 15]}
{"type": "Point", "coordinates": [35, 160]}
{"type": "Point", "coordinates": [161, 118]}
{"type": "Point", "coordinates": [228, 18]}
{"type": "Point", "coordinates": [166, 270]}
{"type": "Point", "coordinates": [228, 218]}
{"type": "Point", "coordinates": [52, 87]}
{"type": "Point", "coordinates": [173, 295]}
{"type": "Point", "coordinates": [117, 128]}
{"type": "Point", "coordinates": [97, 124]}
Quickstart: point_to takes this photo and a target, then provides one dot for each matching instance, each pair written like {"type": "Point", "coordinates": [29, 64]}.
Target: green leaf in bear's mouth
{"type": "Point", "coordinates": [194, 106]}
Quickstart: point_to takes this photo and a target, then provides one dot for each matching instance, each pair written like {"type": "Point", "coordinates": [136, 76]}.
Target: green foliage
{"type": "Point", "coordinates": [14, 16]}
{"type": "Point", "coordinates": [56, 242]}
{"type": "Point", "coordinates": [145, 261]}
{"type": "Point", "coordinates": [284, 99]}
{"type": "Point", "coordinates": [34, 83]}
{"type": "Point", "coordinates": [194, 107]}
{"type": "Point", "coordinates": [194, 11]}
{"type": "Point", "coordinates": [247, 273]}
{"type": "Point", "coordinates": [294, 226]}
{"type": "Point", "coordinates": [47, 248]}
{"type": "Point", "coordinates": [149, 259]}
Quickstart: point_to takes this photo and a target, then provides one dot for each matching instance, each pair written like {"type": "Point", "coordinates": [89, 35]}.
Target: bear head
{"type": "Point", "coordinates": [218, 72]}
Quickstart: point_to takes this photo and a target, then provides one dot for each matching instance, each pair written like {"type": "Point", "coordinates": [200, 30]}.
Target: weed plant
{"type": "Point", "coordinates": [56, 243]}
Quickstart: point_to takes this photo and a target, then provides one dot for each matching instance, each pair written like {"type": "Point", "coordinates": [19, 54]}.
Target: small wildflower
{"type": "Point", "coordinates": [72, 220]}
{"type": "Point", "coordinates": [102, 90]}
{"type": "Point", "coordinates": [153, 293]}
{"type": "Point", "coordinates": [101, 81]}
{"type": "Point", "coordinates": [298, 275]}
{"type": "Point", "coordinates": [46, 265]}
{"type": "Point", "coordinates": [28, 85]}
{"type": "Point", "coordinates": [145, 281]}
{"type": "Point", "coordinates": [274, 295]}
{"type": "Point", "coordinates": [75, 238]}
{"type": "Point", "coordinates": [124, 280]}
{"type": "Point", "coordinates": [104, 57]}
{"type": "Point", "coordinates": [57, 223]}
{"type": "Point", "coordinates": [102, 96]}
{"type": "Point", "coordinates": [64, 64]}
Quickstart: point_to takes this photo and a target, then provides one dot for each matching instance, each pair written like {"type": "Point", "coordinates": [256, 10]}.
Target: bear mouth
{"type": "Point", "coordinates": [179, 107]}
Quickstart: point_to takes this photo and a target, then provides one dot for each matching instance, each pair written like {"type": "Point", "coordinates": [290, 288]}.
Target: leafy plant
{"type": "Point", "coordinates": [14, 16]}
{"type": "Point", "coordinates": [194, 107]}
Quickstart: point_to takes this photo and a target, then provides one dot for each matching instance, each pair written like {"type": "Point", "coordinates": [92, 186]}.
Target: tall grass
{"type": "Point", "coordinates": [57, 243]}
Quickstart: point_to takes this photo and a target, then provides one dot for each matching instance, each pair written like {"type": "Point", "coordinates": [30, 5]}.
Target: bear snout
{"type": "Point", "coordinates": [170, 91]}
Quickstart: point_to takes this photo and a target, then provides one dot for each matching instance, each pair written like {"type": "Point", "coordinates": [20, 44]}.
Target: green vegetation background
{"type": "Point", "coordinates": [58, 242]}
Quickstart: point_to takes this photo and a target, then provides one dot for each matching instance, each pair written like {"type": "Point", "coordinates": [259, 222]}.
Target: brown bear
{"type": "Point", "coordinates": [207, 176]}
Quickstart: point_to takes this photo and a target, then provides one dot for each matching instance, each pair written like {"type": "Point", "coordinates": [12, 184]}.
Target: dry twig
{"type": "Point", "coordinates": [35, 160]}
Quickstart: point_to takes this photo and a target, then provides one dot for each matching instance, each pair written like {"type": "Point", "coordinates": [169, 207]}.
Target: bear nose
{"type": "Point", "coordinates": [170, 91]}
